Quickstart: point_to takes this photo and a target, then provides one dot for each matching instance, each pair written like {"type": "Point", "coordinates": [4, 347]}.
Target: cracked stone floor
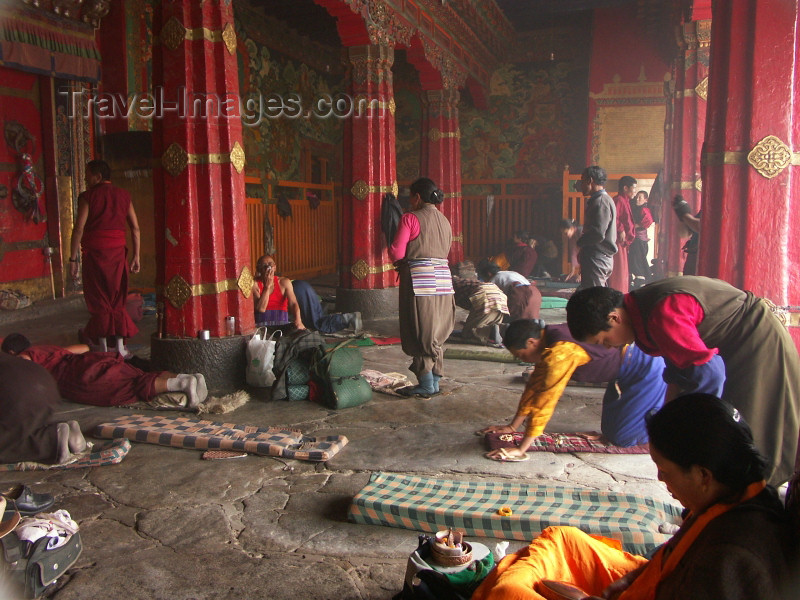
{"type": "Point", "coordinates": [164, 524]}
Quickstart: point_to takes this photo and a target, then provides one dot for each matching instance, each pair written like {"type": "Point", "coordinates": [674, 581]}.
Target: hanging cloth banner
{"type": "Point", "coordinates": [38, 42]}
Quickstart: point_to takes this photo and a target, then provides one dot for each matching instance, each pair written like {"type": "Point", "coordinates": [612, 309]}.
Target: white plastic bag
{"type": "Point", "coordinates": [260, 358]}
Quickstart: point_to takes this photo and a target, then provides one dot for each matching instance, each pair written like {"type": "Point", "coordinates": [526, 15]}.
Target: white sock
{"type": "Point", "coordinates": [186, 384]}
{"type": "Point", "coordinates": [202, 388]}
{"type": "Point", "coordinates": [103, 343]}
{"type": "Point", "coordinates": [123, 351]}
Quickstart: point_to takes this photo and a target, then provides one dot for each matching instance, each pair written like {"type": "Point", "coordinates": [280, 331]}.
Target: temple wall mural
{"type": "Point", "coordinates": [269, 75]}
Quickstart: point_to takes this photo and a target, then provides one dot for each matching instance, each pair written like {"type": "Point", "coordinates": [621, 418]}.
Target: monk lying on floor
{"type": "Point", "coordinates": [103, 378]}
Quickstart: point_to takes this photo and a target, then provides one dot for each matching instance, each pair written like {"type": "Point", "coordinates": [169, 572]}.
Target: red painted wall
{"type": "Point", "coordinates": [621, 47]}
{"type": "Point", "coordinates": [22, 262]}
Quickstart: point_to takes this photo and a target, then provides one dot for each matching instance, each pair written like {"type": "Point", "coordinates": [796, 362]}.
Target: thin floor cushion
{"type": "Point", "coordinates": [109, 453]}
{"type": "Point", "coordinates": [562, 442]}
{"type": "Point", "coordinates": [428, 504]}
{"type": "Point", "coordinates": [185, 432]}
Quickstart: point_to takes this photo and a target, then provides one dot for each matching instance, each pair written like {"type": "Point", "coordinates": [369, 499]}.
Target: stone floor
{"type": "Point", "coordinates": [164, 524]}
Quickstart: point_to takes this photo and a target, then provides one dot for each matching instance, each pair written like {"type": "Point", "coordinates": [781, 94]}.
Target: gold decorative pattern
{"type": "Point", "coordinates": [237, 157]}
{"type": "Point", "coordinates": [361, 100]}
{"type": "Point", "coordinates": [229, 37]}
{"type": "Point", "coordinates": [701, 89]}
{"type": "Point", "coordinates": [770, 156]}
{"type": "Point", "coordinates": [459, 238]}
{"type": "Point", "coordinates": [174, 159]}
{"type": "Point", "coordinates": [436, 134]}
{"type": "Point", "coordinates": [688, 185]}
{"type": "Point", "coordinates": [360, 269]}
{"type": "Point", "coordinates": [729, 157]}
{"type": "Point", "coordinates": [215, 287]}
{"type": "Point", "coordinates": [178, 291]}
{"type": "Point", "coordinates": [360, 189]}
{"type": "Point", "coordinates": [246, 281]}
{"type": "Point", "coordinates": [173, 33]}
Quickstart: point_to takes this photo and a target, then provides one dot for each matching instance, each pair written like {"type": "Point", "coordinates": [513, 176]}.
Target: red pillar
{"type": "Point", "coordinates": [441, 157]}
{"type": "Point", "coordinates": [750, 173]}
{"type": "Point", "coordinates": [370, 167]}
{"type": "Point", "coordinates": [202, 237]}
{"type": "Point", "coordinates": [685, 134]}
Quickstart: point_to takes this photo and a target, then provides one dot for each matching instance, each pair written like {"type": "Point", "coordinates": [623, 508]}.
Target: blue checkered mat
{"type": "Point", "coordinates": [427, 504]}
{"type": "Point", "coordinates": [187, 432]}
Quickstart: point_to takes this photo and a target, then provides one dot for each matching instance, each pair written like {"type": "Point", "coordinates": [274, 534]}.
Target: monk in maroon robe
{"type": "Point", "coordinates": [104, 378]}
{"type": "Point", "coordinates": [104, 211]}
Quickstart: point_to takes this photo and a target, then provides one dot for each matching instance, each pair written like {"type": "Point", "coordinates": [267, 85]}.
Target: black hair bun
{"type": "Point", "coordinates": [437, 196]}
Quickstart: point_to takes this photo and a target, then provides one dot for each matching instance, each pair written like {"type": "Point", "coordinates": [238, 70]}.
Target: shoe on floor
{"type": "Point", "coordinates": [26, 501]}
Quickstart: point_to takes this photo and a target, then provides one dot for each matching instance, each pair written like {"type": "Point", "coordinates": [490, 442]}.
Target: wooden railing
{"type": "Point", "coordinates": [307, 243]}
{"type": "Point", "coordinates": [493, 209]}
{"type": "Point", "coordinates": [572, 204]}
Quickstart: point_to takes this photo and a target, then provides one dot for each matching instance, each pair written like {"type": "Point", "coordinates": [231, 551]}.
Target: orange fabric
{"type": "Point", "coordinates": [547, 383]}
{"type": "Point", "coordinates": [561, 554]}
{"type": "Point", "coordinates": [501, 261]}
{"type": "Point", "coordinates": [644, 587]}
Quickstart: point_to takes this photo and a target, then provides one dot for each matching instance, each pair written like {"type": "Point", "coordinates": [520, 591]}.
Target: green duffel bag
{"type": "Point", "coordinates": [297, 392]}
{"type": "Point", "coordinates": [338, 372]}
{"type": "Point", "coordinates": [344, 361]}
{"type": "Point", "coordinates": [297, 372]}
{"type": "Point", "coordinates": [345, 392]}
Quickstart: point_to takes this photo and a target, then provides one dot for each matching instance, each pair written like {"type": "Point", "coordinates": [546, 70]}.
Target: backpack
{"type": "Point", "coordinates": [32, 567]}
{"type": "Point", "coordinates": [338, 373]}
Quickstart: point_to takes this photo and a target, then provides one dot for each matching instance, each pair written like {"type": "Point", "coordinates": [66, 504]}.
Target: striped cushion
{"type": "Point", "coordinates": [185, 432]}
{"type": "Point", "coordinates": [428, 504]}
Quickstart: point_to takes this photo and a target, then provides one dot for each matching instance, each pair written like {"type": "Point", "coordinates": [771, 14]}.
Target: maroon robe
{"type": "Point", "coordinates": [105, 266]}
{"type": "Point", "coordinates": [99, 378]}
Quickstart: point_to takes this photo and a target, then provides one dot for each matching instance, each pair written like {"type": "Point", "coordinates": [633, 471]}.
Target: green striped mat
{"type": "Point", "coordinates": [428, 504]}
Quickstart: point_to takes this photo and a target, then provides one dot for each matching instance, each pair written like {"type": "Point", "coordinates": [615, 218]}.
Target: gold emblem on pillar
{"type": "Point", "coordinates": [245, 282]}
{"type": "Point", "coordinates": [436, 134]}
{"type": "Point", "coordinates": [173, 33]}
{"type": "Point", "coordinates": [770, 156]}
{"type": "Point", "coordinates": [229, 37]}
{"type": "Point", "coordinates": [178, 291]}
{"type": "Point", "coordinates": [701, 89]}
{"type": "Point", "coordinates": [360, 190]}
{"type": "Point", "coordinates": [360, 269]}
{"type": "Point", "coordinates": [174, 159]}
{"type": "Point", "coordinates": [392, 105]}
{"type": "Point", "coordinates": [237, 157]}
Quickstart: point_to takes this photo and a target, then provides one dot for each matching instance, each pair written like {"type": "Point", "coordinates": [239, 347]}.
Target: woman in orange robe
{"type": "Point", "coordinates": [736, 542]}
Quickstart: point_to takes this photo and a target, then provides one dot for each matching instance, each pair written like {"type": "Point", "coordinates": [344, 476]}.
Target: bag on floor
{"type": "Point", "coordinates": [338, 372]}
{"type": "Point", "coordinates": [31, 567]}
{"type": "Point", "coordinates": [260, 358]}
{"type": "Point", "coordinates": [422, 582]}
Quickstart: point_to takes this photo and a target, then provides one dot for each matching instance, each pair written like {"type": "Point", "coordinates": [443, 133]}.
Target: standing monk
{"type": "Point", "coordinates": [427, 304]}
{"type": "Point", "coordinates": [99, 233]}
{"type": "Point", "coordinates": [598, 241]}
{"type": "Point", "coordinates": [626, 233]}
